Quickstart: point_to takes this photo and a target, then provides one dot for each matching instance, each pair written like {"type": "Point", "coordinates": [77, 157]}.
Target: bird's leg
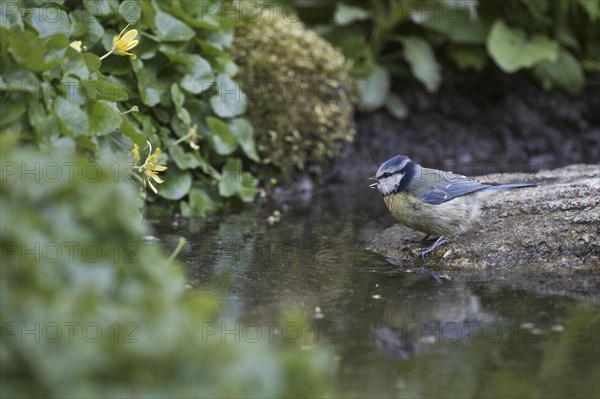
{"type": "Point", "coordinates": [438, 243]}
{"type": "Point", "coordinates": [426, 238]}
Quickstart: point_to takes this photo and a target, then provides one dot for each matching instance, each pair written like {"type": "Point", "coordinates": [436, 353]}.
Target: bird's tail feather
{"type": "Point", "coordinates": [508, 186]}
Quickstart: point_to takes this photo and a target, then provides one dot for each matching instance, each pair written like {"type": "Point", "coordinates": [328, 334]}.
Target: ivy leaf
{"type": "Point", "coordinates": [105, 118]}
{"type": "Point", "coordinates": [74, 120]}
{"type": "Point", "coordinates": [199, 203]}
{"type": "Point", "coordinates": [221, 137]}
{"type": "Point", "coordinates": [374, 89]}
{"type": "Point", "coordinates": [95, 90]}
{"type": "Point", "coordinates": [11, 112]}
{"type": "Point", "coordinates": [92, 62]}
{"type": "Point", "coordinates": [459, 26]}
{"type": "Point", "coordinates": [234, 181]}
{"type": "Point", "coordinates": [129, 130]}
{"type": "Point", "coordinates": [248, 187]}
{"type": "Point", "coordinates": [592, 7]}
{"type": "Point", "coordinates": [512, 50]}
{"type": "Point", "coordinates": [423, 64]}
{"type": "Point", "coordinates": [177, 183]}
{"type": "Point", "coordinates": [396, 106]}
{"type": "Point", "coordinates": [565, 73]}
{"type": "Point", "coordinates": [149, 85]}
{"type": "Point", "coordinates": [100, 8]}
{"type": "Point", "coordinates": [86, 28]}
{"type": "Point", "coordinates": [178, 99]}
{"type": "Point", "coordinates": [171, 29]}
{"type": "Point", "coordinates": [467, 56]}
{"type": "Point", "coordinates": [230, 100]}
{"type": "Point", "coordinates": [183, 159]}
{"type": "Point", "coordinates": [130, 11]}
{"type": "Point", "coordinates": [75, 65]}
{"type": "Point", "coordinates": [346, 14]}
{"type": "Point", "coordinates": [31, 52]}
{"type": "Point", "coordinates": [198, 75]}
{"type": "Point", "coordinates": [48, 21]}
{"type": "Point", "coordinates": [243, 132]}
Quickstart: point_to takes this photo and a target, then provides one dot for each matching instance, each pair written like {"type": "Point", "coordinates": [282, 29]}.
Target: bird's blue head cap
{"type": "Point", "coordinates": [394, 175]}
{"type": "Point", "coordinates": [393, 165]}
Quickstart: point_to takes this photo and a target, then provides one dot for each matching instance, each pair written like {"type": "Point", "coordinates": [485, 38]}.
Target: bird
{"type": "Point", "coordinates": [432, 201]}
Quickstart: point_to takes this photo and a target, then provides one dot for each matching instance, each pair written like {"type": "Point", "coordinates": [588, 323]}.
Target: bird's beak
{"type": "Point", "coordinates": [373, 185]}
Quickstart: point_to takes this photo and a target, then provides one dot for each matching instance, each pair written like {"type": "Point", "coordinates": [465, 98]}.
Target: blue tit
{"type": "Point", "coordinates": [432, 201]}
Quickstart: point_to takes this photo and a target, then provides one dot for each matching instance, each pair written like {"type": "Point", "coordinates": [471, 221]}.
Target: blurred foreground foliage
{"type": "Point", "coordinates": [555, 40]}
{"type": "Point", "coordinates": [89, 310]}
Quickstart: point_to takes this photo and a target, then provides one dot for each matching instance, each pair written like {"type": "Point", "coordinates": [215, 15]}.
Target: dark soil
{"type": "Point", "coordinates": [478, 125]}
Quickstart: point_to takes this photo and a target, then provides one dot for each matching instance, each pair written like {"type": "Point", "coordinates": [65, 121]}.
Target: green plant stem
{"type": "Point", "coordinates": [107, 54]}
{"type": "Point", "coordinates": [178, 249]}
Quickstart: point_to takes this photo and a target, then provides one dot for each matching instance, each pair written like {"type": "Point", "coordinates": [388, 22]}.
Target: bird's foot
{"type": "Point", "coordinates": [438, 243]}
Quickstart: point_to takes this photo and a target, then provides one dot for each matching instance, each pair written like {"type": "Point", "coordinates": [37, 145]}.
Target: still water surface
{"type": "Point", "coordinates": [395, 331]}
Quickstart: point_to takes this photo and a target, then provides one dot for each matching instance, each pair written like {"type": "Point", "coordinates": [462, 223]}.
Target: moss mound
{"type": "Point", "coordinates": [299, 91]}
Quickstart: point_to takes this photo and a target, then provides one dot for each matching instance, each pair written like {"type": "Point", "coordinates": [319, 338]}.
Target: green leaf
{"type": "Point", "coordinates": [459, 26]}
{"type": "Point", "coordinates": [230, 100]}
{"type": "Point", "coordinates": [95, 90]}
{"type": "Point", "coordinates": [130, 11]}
{"type": "Point", "coordinates": [243, 132]}
{"type": "Point", "coordinates": [31, 52]}
{"type": "Point", "coordinates": [178, 99]}
{"type": "Point", "coordinates": [220, 39]}
{"type": "Point", "coordinates": [177, 183]}
{"type": "Point", "coordinates": [592, 7]}
{"type": "Point", "coordinates": [11, 17]}
{"type": "Point", "coordinates": [92, 61]}
{"type": "Point", "coordinates": [467, 56]}
{"type": "Point", "coordinates": [198, 76]}
{"type": "Point", "coordinates": [235, 181]}
{"type": "Point", "coordinates": [248, 187]}
{"type": "Point", "coordinates": [100, 8]}
{"type": "Point", "coordinates": [374, 89]}
{"type": "Point", "coordinates": [396, 106]}
{"type": "Point", "coordinates": [221, 137]}
{"type": "Point", "coordinates": [75, 65]}
{"type": "Point", "coordinates": [86, 28]}
{"type": "Point", "coordinates": [130, 131]}
{"type": "Point", "coordinates": [74, 120]}
{"type": "Point", "coordinates": [565, 73]}
{"type": "Point", "coordinates": [423, 64]}
{"type": "Point", "coordinates": [183, 159]}
{"type": "Point", "coordinates": [105, 118]}
{"type": "Point", "coordinates": [149, 86]}
{"type": "Point", "coordinates": [11, 112]}
{"type": "Point", "coordinates": [171, 29]}
{"type": "Point", "coordinates": [512, 50]}
{"type": "Point", "coordinates": [45, 123]}
{"type": "Point", "coordinates": [199, 203]}
{"type": "Point", "coordinates": [346, 14]}
{"type": "Point", "coordinates": [231, 178]}
{"type": "Point", "coordinates": [49, 20]}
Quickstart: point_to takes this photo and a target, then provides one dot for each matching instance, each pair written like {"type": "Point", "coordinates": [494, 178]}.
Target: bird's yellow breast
{"type": "Point", "coordinates": [448, 218]}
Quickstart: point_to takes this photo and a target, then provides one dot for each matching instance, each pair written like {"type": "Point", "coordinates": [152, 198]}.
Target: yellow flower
{"type": "Point", "coordinates": [125, 42]}
{"type": "Point", "coordinates": [76, 45]}
{"type": "Point", "coordinates": [193, 136]}
{"type": "Point", "coordinates": [150, 168]}
{"type": "Point", "coordinates": [135, 151]}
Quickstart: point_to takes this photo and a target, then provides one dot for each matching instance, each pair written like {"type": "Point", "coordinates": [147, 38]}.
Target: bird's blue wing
{"type": "Point", "coordinates": [447, 189]}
